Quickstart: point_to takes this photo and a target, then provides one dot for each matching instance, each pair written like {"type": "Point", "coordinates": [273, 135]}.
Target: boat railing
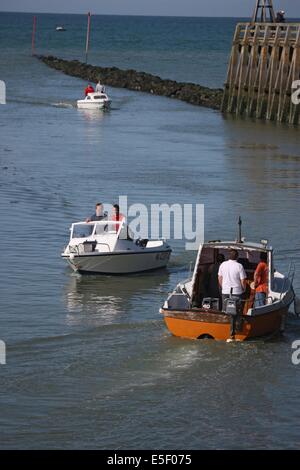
{"type": "Point", "coordinates": [117, 224]}
{"type": "Point", "coordinates": [77, 248]}
{"type": "Point", "coordinates": [288, 279]}
{"type": "Point", "coordinates": [185, 292]}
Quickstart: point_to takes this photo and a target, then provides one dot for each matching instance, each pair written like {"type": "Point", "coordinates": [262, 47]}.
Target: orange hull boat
{"type": "Point", "coordinates": [199, 324]}
{"type": "Point", "coordinates": [194, 309]}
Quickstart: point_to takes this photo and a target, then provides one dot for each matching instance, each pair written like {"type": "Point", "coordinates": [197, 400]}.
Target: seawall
{"type": "Point", "coordinates": [138, 81]}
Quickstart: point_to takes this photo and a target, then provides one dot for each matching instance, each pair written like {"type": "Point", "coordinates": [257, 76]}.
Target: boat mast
{"type": "Point", "coordinates": [239, 239]}
{"type": "Point", "coordinates": [87, 42]}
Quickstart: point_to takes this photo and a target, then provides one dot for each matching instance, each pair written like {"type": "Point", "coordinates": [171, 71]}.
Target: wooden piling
{"type": "Point", "coordinates": [264, 63]}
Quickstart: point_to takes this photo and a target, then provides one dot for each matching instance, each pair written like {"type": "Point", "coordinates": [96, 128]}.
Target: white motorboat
{"type": "Point", "coordinates": [94, 101]}
{"type": "Point", "coordinates": [108, 247]}
{"type": "Point", "coordinates": [60, 28]}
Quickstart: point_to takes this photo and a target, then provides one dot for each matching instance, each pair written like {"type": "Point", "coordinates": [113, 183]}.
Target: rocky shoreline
{"type": "Point", "coordinates": [138, 81]}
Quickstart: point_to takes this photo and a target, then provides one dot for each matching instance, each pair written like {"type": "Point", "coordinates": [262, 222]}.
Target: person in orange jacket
{"type": "Point", "coordinates": [261, 281]}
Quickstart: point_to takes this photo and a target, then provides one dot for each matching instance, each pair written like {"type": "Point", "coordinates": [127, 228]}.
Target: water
{"type": "Point", "coordinates": [90, 363]}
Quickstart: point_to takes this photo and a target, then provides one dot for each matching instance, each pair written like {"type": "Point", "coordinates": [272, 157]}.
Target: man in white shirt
{"type": "Point", "coordinates": [100, 88]}
{"type": "Point", "coordinates": [232, 277]}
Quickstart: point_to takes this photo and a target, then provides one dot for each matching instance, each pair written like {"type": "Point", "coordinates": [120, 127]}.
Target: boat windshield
{"type": "Point", "coordinates": [106, 227]}
{"type": "Point", "coordinates": [82, 230]}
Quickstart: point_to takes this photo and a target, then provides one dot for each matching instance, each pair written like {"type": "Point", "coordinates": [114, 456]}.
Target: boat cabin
{"type": "Point", "coordinates": [202, 292]}
{"type": "Point", "coordinates": [96, 97]}
{"type": "Point", "coordinates": [210, 257]}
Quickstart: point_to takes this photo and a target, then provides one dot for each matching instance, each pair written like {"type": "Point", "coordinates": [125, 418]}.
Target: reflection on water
{"type": "Point", "coordinates": [93, 114]}
{"type": "Point", "coordinates": [262, 162]}
{"type": "Point", "coordinates": [103, 299]}
{"type": "Point", "coordinates": [82, 297]}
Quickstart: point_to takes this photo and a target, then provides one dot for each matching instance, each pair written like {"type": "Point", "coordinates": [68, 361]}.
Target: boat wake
{"type": "Point", "coordinates": [63, 105]}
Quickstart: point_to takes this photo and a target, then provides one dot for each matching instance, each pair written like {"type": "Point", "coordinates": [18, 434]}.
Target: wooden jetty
{"type": "Point", "coordinates": [264, 64]}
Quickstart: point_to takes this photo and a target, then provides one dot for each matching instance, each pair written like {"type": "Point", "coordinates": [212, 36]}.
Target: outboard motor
{"type": "Point", "coordinates": [233, 306]}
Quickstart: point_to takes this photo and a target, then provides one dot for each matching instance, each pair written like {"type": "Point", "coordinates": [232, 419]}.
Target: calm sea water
{"type": "Point", "coordinates": [90, 363]}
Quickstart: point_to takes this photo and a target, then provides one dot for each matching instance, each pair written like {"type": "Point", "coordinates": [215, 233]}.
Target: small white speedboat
{"type": "Point", "coordinates": [60, 28]}
{"type": "Point", "coordinates": [94, 101]}
{"type": "Point", "coordinates": [108, 247]}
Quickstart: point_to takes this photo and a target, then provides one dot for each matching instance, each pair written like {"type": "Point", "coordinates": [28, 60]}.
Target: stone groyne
{"type": "Point", "coordinates": [138, 81]}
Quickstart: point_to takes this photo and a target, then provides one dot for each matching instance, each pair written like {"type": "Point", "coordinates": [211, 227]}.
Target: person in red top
{"type": "Point", "coordinates": [89, 89]}
{"type": "Point", "coordinates": [261, 281]}
{"type": "Point", "coordinates": [117, 216]}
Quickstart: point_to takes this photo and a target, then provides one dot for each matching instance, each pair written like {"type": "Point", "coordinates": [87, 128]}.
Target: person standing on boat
{"type": "Point", "coordinates": [117, 216]}
{"type": "Point", "coordinates": [232, 277]}
{"type": "Point", "coordinates": [100, 88]}
{"type": "Point", "coordinates": [99, 214]}
{"type": "Point", "coordinates": [89, 89]}
{"type": "Point", "coordinates": [261, 281]}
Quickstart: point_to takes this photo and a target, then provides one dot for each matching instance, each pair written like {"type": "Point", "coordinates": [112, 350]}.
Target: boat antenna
{"type": "Point", "coordinates": [239, 240]}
